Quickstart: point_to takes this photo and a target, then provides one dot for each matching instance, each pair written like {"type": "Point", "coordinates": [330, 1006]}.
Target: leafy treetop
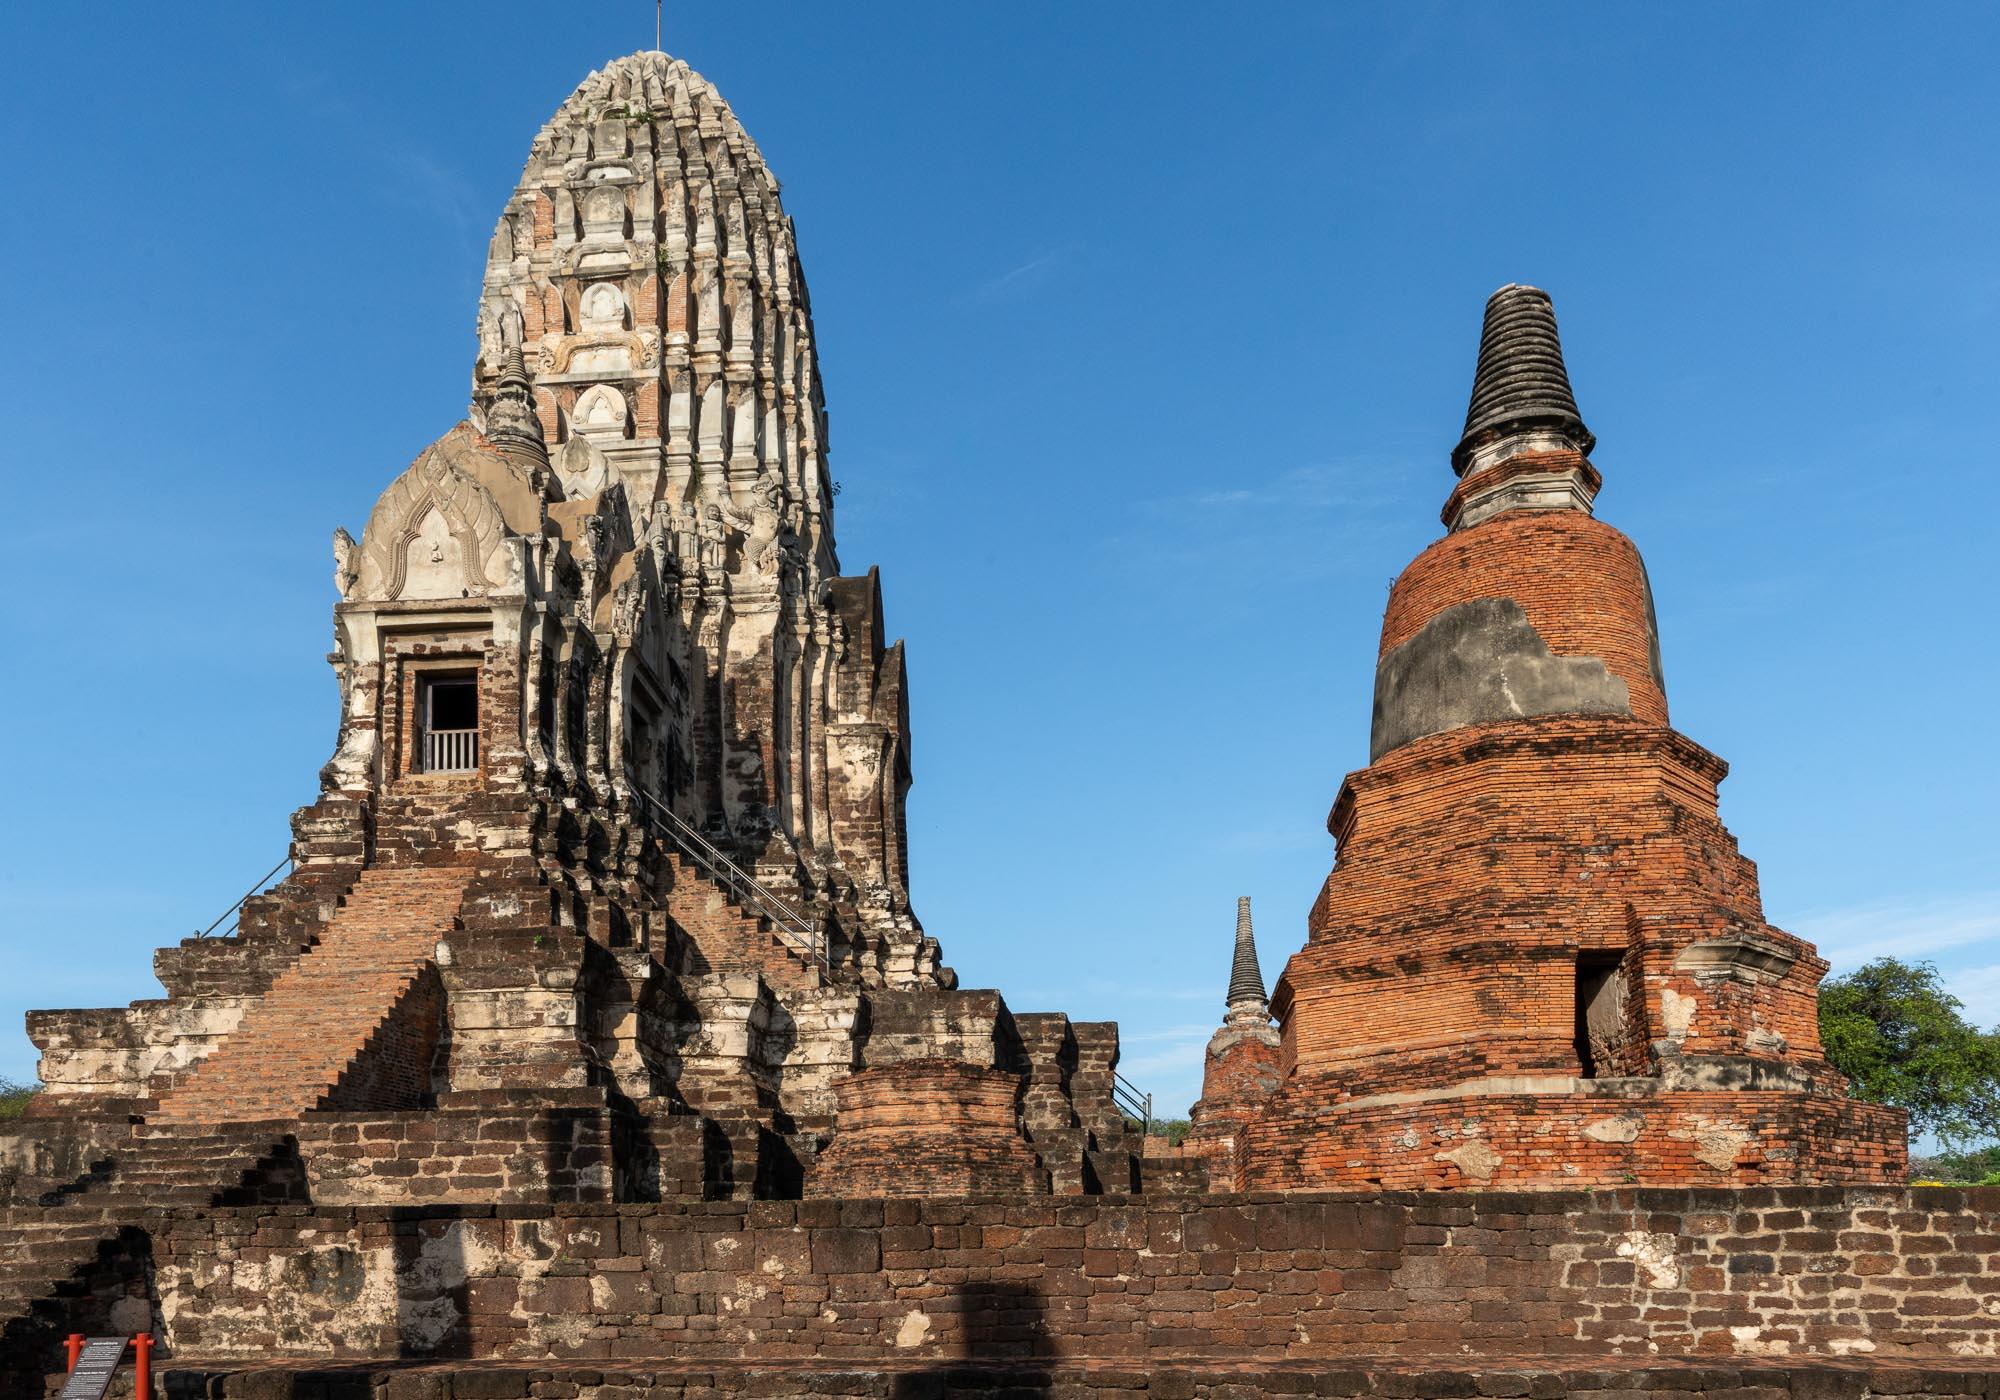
{"type": "Point", "coordinates": [1901, 1039]}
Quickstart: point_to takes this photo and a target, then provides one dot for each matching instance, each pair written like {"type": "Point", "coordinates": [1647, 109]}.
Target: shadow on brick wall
{"type": "Point", "coordinates": [432, 1316]}
{"type": "Point", "coordinates": [111, 1295]}
{"type": "Point", "coordinates": [1002, 1344]}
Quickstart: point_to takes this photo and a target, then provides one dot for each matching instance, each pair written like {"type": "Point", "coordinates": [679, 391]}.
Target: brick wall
{"type": "Point", "coordinates": [1646, 1275]}
{"type": "Point", "coordinates": [484, 1154]}
{"type": "Point", "coordinates": [1581, 583]}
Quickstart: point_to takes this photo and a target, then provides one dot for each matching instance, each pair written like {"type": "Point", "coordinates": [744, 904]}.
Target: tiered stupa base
{"type": "Point", "coordinates": [1555, 1133]}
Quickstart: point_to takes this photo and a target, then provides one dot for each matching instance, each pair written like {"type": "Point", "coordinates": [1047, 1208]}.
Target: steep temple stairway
{"type": "Point", "coordinates": [326, 1034]}
{"type": "Point", "coordinates": [352, 1023]}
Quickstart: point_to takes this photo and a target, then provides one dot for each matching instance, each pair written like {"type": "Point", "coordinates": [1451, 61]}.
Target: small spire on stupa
{"type": "Point", "coordinates": [512, 425]}
{"type": "Point", "coordinates": [1521, 385]}
{"type": "Point", "coordinates": [1246, 978]}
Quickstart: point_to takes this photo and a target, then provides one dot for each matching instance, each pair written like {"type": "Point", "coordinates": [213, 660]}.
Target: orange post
{"type": "Point", "coordinates": [75, 1344]}
{"type": "Point", "coordinates": [142, 1362]}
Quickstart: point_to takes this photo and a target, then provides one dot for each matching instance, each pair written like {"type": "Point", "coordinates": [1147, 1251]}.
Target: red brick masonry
{"type": "Point", "coordinates": [927, 1127]}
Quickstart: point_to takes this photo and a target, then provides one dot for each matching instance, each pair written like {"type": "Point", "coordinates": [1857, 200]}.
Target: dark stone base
{"type": "Point", "coordinates": [1802, 1378]}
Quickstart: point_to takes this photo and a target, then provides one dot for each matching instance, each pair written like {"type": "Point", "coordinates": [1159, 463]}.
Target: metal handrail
{"type": "Point", "coordinates": [740, 881]}
{"type": "Point", "coordinates": [233, 909]}
{"type": "Point", "coordinates": [1131, 1102]}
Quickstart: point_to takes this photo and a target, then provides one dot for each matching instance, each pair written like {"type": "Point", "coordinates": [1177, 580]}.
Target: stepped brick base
{"type": "Point", "coordinates": [350, 1024]}
{"type": "Point", "coordinates": [927, 1127]}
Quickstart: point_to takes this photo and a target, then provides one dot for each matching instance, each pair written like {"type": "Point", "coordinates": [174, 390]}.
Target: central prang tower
{"type": "Point", "coordinates": [647, 275]}
{"type": "Point", "coordinates": [610, 856]}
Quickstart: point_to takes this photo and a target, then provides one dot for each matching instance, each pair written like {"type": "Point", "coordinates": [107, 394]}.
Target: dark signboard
{"type": "Point", "coordinates": [94, 1368]}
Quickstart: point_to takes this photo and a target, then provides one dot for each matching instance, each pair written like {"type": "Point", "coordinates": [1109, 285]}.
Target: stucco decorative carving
{"type": "Point", "coordinates": [435, 533]}
{"type": "Point", "coordinates": [600, 413]}
{"type": "Point", "coordinates": [583, 469]}
{"type": "Point", "coordinates": [344, 566]}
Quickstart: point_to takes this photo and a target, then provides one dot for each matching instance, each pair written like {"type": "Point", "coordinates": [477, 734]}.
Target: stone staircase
{"type": "Point", "coordinates": [327, 1033]}
{"type": "Point", "coordinates": [297, 1049]}
{"type": "Point", "coordinates": [732, 937]}
{"type": "Point", "coordinates": [184, 1164]}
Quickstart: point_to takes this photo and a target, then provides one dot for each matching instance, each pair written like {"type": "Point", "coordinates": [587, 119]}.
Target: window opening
{"type": "Point", "coordinates": [450, 711]}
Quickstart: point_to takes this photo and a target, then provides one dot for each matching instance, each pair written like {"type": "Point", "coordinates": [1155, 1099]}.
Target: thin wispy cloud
{"type": "Point", "coordinates": [1906, 929]}
{"type": "Point", "coordinates": [1979, 989]}
{"type": "Point", "coordinates": [1322, 486]}
{"type": "Point", "coordinates": [1168, 1065]}
{"type": "Point", "coordinates": [416, 176]}
{"type": "Point", "coordinates": [1291, 527]}
{"type": "Point", "coordinates": [1017, 281]}
{"type": "Point", "coordinates": [1355, 485]}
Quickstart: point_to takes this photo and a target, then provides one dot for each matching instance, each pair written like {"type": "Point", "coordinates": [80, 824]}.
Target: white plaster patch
{"type": "Point", "coordinates": [1654, 1255]}
{"type": "Point", "coordinates": [1847, 1346]}
{"type": "Point", "coordinates": [1475, 1158]}
{"type": "Point", "coordinates": [1752, 1338]}
{"type": "Point", "coordinates": [1719, 1145]}
{"type": "Point", "coordinates": [915, 1328]}
{"type": "Point", "coordinates": [1612, 1129]}
{"type": "Point", "coordinates": [1676, 1013]}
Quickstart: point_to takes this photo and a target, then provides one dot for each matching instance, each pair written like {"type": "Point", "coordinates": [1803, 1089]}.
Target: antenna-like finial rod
{"type": "Point", "coordinates": [656, 25]}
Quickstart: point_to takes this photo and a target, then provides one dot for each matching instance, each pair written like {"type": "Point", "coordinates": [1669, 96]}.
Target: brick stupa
{"type": "Point", "coordinates": [1540, 959]}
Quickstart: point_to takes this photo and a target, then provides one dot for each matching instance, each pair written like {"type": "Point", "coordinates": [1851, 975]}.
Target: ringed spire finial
{"type": "Point", "coordinates": [1246, 978]}
{"type": "Point", "coordinates": [1521, 385]}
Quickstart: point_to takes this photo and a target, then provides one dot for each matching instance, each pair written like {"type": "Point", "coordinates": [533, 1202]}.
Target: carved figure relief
{"type": "Point", "coordinates": [582, 468]}
{"type": "Point", "coordinates": [612, 357]}
{"type": "Point", "coordinates": [603, 308]}
{"type": "Point", "coordinates": [604, 213]}
{"type": "Point", "coordinates": [600, 413]}
{"type": "Point", "coordinates": [432, 566]}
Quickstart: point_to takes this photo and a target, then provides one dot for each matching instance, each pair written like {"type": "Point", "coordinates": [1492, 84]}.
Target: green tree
{"type": "Point", "coordinates": [14, 1097]}
{"type": "Point", "coordinates": [1978, 1167]}
{"type": "Point", "coordinates": [1900, 1039]}
{"type": "Point", "coordinates": [1174, 1130]}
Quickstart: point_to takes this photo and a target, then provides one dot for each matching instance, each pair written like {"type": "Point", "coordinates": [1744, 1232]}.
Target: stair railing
{"type": "Point", "coordinates": [797, 928]}
{"type": "Point", "coordinates": [1132, 1103]}
{"type": "Point", "coordinates": [229, 914]}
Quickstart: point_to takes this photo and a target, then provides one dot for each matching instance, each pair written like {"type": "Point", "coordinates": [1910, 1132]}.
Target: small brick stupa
{"type": "Point", "coordinates": [1540, 959]}
{"type": "Point", "coordinates": [1241, 1067]}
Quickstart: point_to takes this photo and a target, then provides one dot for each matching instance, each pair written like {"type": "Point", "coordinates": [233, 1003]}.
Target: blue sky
{"type": "Point", "coordinates": [1147, 333]}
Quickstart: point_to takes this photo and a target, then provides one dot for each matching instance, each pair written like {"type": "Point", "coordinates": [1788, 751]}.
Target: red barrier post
{"type": "Point", "coordinates": [75, 1344]}
{"type": "Point", "coordinates": [142, 1380]}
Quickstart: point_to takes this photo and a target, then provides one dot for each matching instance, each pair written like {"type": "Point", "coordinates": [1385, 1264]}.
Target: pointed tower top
{"type": "Point", "coordinates": [1246, 979]}
{"type": "Point", "coordinates": [1520, 385]}
{"type": "Point", "coordinates": [512, 424]}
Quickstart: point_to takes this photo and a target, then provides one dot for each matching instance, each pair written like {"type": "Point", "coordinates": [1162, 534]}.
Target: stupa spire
{"type": "Point", "coordinates": [1522, 407]}
{"type": "Point", "coordinates": [1246, 978]}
